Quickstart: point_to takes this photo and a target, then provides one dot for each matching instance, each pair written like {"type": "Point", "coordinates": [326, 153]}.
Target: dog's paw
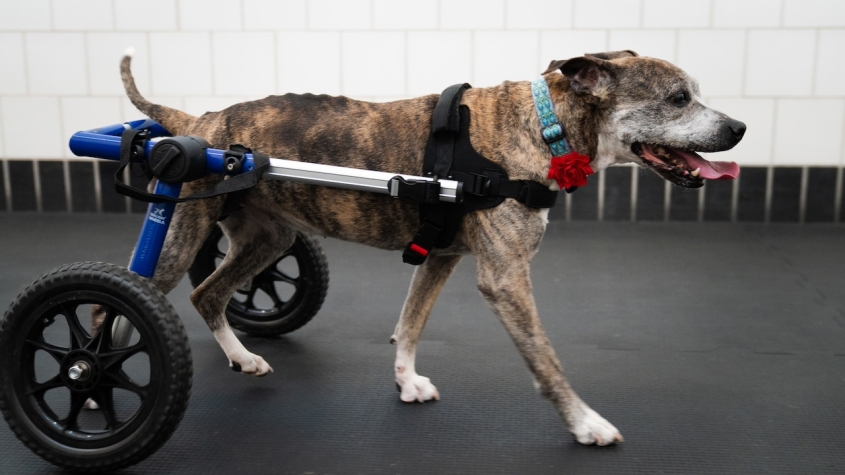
{"type": "Point", "coordinates": [91, 405]}
{"type": "Point", "coordinates": [251, 364]}
{"type": "Point", "coordinates": [417, 388]}
{"type": "Point", "coordinates": [594, 429]}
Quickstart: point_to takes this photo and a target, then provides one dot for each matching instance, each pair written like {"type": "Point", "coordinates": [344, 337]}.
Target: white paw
{"type": "Point", "coordinates": [417, 388]}
{"type": "Point", "coordinates": [594, 429]}
{"type": "Point", "coordinates": [90, 404]}
{"type": "Point", "coordinates": [249, 363]}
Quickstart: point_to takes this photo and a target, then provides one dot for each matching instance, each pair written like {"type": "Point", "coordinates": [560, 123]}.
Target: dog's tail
{"type": "Point", "coordinates": [175, 121]}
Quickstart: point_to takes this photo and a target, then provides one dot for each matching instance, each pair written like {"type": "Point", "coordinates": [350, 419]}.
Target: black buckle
{"type": "Point", "coordinates": [421, 191]}
{"type": "Point", "coordinates": [233, 162]}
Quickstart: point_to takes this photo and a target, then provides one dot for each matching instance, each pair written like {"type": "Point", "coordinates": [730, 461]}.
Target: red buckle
{"type": "Point", "coordinates": [419, 250]}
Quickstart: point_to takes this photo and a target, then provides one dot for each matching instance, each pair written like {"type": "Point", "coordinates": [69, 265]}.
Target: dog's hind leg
{"type": "Point", "coordinates": [503, 254]}
{"type": "Point", "coordinates": [254, 243]}
{"type": "Point", "coordinates": [426, 285]}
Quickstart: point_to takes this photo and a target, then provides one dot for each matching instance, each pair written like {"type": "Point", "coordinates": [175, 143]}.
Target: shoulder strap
{"type": "Point", "coordinates": [445, 126]}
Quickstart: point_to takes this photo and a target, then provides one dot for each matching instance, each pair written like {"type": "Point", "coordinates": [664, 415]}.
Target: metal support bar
{"type": "Point", "coordinates": [352, 178]}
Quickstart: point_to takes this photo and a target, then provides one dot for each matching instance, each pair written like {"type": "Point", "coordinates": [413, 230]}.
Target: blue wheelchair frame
{"type": "Point", "coordinates": [104, 142]}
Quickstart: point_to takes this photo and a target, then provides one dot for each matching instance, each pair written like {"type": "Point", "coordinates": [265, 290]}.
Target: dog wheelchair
{"type": "Point", "coordinates": [107, 396]}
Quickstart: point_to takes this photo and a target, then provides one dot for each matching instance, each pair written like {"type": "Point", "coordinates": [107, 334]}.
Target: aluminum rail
{"type": "Point", "coordinates": [105, 143]}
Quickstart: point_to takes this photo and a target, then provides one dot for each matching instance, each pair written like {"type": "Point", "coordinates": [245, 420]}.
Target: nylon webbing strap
{"type": "Point", "coordinates": [445, 126]}
{"type": "Point", "coordinates": [132, 146]}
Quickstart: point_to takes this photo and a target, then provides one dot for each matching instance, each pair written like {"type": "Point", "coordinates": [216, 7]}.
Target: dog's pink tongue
{"type": "Point", "coordinates": [710, 170]}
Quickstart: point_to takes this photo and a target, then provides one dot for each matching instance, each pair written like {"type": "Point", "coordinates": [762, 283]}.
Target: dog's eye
{"type": "Point", "coordinates": [680, 99]}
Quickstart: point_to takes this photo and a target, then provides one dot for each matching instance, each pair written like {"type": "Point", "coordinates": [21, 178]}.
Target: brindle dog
{"type": "Point", "coordinates": [615, 107]}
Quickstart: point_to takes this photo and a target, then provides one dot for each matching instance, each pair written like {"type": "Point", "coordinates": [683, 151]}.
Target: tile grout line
{"type": "Point", "coordinates": [735, 199]}
{"type": "Point", "coordinates": [36, 185]}
{"type": "Point", "coordinates": [7, 185]}
{"type": "Point", "coordinates": [802, 197]}
{"type": "Point", "coordinates": [635, 184]}
{"type": "Point", "coordinates": [600, 197]}
{"type": "Point", "coordinates": [770, 183]}
{"type": "Point", "coordinates": [98, 187]}
{"type": "Point", "coordinates": [837, 206]}
{"type": "Point", "coordinates": [68, 191]}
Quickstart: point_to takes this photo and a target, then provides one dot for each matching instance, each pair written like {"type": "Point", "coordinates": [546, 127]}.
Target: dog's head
{"type": "Point", "coordinates": [650, 112]}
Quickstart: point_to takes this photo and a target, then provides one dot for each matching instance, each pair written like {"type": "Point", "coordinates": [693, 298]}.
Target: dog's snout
{"type": "Point", "coordinates": [737, 128]}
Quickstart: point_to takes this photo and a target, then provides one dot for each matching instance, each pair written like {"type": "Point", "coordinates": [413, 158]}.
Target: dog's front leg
{"type": "Point", "coordinates": [426, 285]}
{"type": "Point", "coordinates": [503, 279]}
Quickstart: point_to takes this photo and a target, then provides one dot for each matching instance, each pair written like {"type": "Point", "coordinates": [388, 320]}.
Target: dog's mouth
{"type": "Point", "coordinates": [683, 167]}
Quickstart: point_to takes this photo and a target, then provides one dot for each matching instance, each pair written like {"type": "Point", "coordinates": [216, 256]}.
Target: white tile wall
{"type": "Point", "coordinates": [204, 15]}
{"type": "Point", "coordinates": [570, 44]}
{"type": "Point", "coordinates": [13, 72]}
{"type": "Point", "coordinates": [84, 113]}
{"type": "Point", "coordinates": [780, 62]}
{"type": "Point", "coordinates": [472, 14]}
{"type": "Point", "coordinates": [429, 70]}
{"type": "Point", "coordinates": [809, 130]}
{"type": "Point", "coordinates": [232, 51]}
{"type": "Point", "coordinates": [104, 52]}
{"type": "Point", "coordinates": [534, 14]}
{"type": "Point", "coordinates": [509, 55]}
{"type": "Point", "coordinates": [274, 15]}
{"type": "Point", "coordinates": [314, 69]}
{"type": "Point", "coordinates": [608, 13]}
{"type": "Point", "coordinates": [373, 64]}
{"type": "Point", "coordinates": [29, 15]}
{"type": "Point", "coordinates": [85, 15]}
{"type": "Point", "coordinates": [56, 63]}
{"type": "Point", "coordinates": [31, 127]}
{"type": "Point", "coordinates": [756, 146]}
{"type": "Point", "coordinates": [149, 15]}
{"type": "Point", "coordinates": [340, 14]}
{"type": "Point", "coordinates": [405, 14]}
{"type": "Point", "coordinates": [676, 13]}
{"type": "Point", "coordinates": [830, 65]}
{"type": "Point", "coordinates": [813, 13]}
{"type": "Point", "coordinates": [716, 58]}
{"type": "Point", "coordinates": [181, 63]}
{"type": "Point", "coordinates": [775, 64]}
{"type": "Point", "coordinates": [746, 13]}
{"type": "Point", "coordinates": [653, 43]}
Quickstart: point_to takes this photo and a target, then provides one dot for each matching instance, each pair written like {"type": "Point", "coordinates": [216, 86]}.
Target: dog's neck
{"type": "Point", "coordinates": [578, 113]}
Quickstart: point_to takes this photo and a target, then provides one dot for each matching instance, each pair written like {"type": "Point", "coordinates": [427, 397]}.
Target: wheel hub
{"type": "Point", "coordinates": [81, 370]}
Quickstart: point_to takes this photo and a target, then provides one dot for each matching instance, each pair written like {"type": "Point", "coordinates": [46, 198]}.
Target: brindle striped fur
{"type": "Point", "coordinates": [388, 137]}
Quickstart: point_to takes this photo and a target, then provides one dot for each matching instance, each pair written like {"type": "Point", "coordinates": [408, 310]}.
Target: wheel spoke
{"type": "Point", "coordinates": [116, 356]}
{"type": "Point", "coordinates": [270, 289]}
{"type": "Point", "coordinates": [56, 352]}
{"type": "Point", "coordinates": [104, 397]}
{"type": "Point", "coordinates": [278, 275]}
{"type": "Point", "coordinates": [103, 338]}
{"type": "Point", "coordinates": [250, 296]}
{"type": "Point", "coordinates": [39, 390]}
{"type": "Point", "coordinates": [77, 400]}
{"type": "Point", "coordinates": [79, 338]}
{"type": "Point", "coordinates": [119, 379]}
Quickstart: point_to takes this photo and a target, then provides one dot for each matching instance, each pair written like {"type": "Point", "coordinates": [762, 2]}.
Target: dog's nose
{"type": "Point", "coordinates": [737, 129]}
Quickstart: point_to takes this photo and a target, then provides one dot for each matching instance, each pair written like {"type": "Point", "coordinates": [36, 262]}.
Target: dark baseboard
{"type": "Point", "coordinates": [761, 194]}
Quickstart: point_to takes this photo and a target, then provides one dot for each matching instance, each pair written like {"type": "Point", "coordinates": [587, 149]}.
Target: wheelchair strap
{"type": "Point", "coordinates": [449, 154]}
{"type": "Point", "coordinates": [133, 144]}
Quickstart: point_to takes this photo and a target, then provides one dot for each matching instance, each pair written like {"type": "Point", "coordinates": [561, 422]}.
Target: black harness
{"type": "Point", "coordinates": [450, 155]}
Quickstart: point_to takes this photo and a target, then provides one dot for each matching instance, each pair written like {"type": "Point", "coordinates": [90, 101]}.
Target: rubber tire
{"type": "Point", "coordinates": [175, 390]}
{"type": "Point", "coordinates": [313, 269]}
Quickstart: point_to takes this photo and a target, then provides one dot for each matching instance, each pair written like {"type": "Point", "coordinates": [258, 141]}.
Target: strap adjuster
{"type": "Point", "coordinates": [553, 133]}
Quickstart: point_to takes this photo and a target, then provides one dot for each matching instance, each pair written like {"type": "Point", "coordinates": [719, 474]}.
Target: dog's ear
{"type": "Point", "coordinates": [613, 54]}
{"type": "Point", "coordinates": [586, 74]}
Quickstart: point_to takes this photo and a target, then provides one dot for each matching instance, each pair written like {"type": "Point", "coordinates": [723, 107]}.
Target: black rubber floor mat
{"type": "Point", "coordinates": [715, 349]}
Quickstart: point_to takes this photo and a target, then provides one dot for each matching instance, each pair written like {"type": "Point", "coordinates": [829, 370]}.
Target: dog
{"type": "Point", "coordinates": [615, 107]}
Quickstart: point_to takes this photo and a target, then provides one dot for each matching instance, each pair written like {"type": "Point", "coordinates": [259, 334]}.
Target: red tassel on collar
{"type": "Point", "coordinates": [570, 170]}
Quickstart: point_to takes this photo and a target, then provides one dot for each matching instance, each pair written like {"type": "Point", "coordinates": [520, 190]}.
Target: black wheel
{"type": "Point", "coordinates": [281, 298]}
{"type": "Point", "coordinates": [52, 362]}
